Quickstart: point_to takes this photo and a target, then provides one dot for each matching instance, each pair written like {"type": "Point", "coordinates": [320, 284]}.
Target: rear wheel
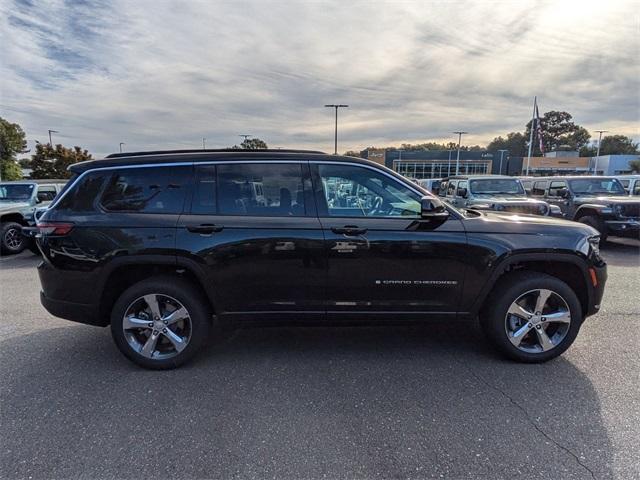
{"type": "Point", "coordinates": [12, 240]}
{"type": "Point", "coordinates": [532, 317]}
{"type": "Point", "coordinates": [160, 323]}
{"type": "Point", "coordinates": [597, 223]}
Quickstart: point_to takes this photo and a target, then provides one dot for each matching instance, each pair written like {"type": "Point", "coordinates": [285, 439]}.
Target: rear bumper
{"type": "Point", "coordinates": [76, 312]}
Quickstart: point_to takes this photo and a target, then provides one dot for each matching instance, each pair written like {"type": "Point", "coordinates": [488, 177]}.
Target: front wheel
{"type": "Point", "coordinates": [160, 323]}
{"type": "Point", "coordinates": [532, 317]}
{"type": "Point", "coordinates": [597, 223]}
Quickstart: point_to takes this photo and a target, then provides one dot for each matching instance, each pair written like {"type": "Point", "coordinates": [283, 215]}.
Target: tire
{"type": "Point", "coordinates": [504, 329]}
{"type": "Point", "coordinates": [597, 223]}
{"type": "Point", "coordinates": [134, 334]}
{"type": "Point", "coordinates": [11, 239]}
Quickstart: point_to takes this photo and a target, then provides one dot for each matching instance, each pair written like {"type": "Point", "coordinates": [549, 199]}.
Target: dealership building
{"type": "Point", "coordinates": [442, 163]}
{"type": "Point", "coordinates": [431, 163]}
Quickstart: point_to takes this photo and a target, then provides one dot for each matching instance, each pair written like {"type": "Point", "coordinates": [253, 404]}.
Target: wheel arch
{"type": "Point", "coordinates": [125, 272]}
{"type": "Point", "coordinates": [569, 268]}
{"type": "Point", "coordinates": [588, 210]}
{"type": "Point", "coordinates": [13, 217]}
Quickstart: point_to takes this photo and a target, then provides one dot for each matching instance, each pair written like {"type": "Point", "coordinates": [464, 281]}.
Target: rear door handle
{"type": "Point", "coordinates": [349, 230]}
{"type": "Point", "coordinates": [205, 228]}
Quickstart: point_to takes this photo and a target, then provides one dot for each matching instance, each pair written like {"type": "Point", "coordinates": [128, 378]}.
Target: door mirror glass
{"type": "Point", "coordinates": [431, 207]}
{"type": "Point", "coordinates": [563, 193]}
{"type": "Point", "coordinates": [462, 192]}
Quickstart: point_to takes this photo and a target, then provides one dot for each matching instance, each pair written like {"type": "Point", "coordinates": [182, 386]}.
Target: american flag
{"type": "Point", "coordinates": [539, 130]}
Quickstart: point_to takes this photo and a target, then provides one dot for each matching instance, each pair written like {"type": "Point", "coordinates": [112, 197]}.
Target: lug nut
{"type": "Point", "coordinates": [151, 324]}
{"type": "Point", "coordinates": [155, 332]}
{"type": "Point", "coordinates": [529, 325]}
{"type": "Point", "coordinates": [166, 322]}
{"type": "Point", "coordinates": [164, 330]}
{"type": "Point", "coordinates": [538, 327]}
{"type": "Point", "coordinates": [543, 319]}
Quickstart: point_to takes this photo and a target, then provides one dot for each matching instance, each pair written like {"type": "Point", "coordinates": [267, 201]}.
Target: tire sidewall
{"type": "Point", "coordinates": [183, 292]}
{"type": "Point", "coordinates": [493, 321]}
{"type": "Point", "coordinates": [6, 227]}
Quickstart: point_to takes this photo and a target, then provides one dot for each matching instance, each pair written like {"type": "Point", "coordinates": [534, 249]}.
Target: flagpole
{"type": "Point", "coordinates": [533, 126]}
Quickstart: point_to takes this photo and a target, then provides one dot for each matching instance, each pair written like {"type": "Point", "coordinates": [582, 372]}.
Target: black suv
{"type": "Point", "coordinates": [600, 202]}
{"type": "Point", "coordinates": [163, 245]}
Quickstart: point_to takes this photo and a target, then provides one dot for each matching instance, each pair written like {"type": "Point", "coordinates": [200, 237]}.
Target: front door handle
{"type": "Point", "coordinates": [204, 228]}
{"type": "Point", "coordinates": [349, 230]}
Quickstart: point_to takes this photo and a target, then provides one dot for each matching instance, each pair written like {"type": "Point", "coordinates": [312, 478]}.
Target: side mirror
{"type": "Point", "coordinates": [563, 193]}
{"type": "Point", "coordinates": [462, 192]}
{"type": "Point", "coordinates": [38, 200]}
{"type": "Point", "coordinates": [433, 208]}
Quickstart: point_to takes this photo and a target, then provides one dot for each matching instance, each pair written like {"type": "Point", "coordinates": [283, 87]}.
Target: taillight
{"type": "Point", "coordinates": [54, 228]}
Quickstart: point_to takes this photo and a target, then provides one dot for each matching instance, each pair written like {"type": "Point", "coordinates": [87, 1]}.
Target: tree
{"type": "Point", "coordinates": [618, 145]}
{"type": "Point", "coordinates": [12, 142]}
{"type": "Point", "coordinates": [635, 166]}
{"type": "Point", "coordinates": [49, 162]}
{"type": "Point", "coordinates": [251, 144]}
{"type": "Point", "coordinates": [352, 153]}
{"type": "Point", "coordinates": [515, 143]}
{"type": "Point", "coordinates": [558, 130]}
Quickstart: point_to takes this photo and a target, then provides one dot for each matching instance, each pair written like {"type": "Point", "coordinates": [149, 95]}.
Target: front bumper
{"type": "Point", "coordinates": [623, 228]}
{"type": "Point", "coordinates": [598, 279]}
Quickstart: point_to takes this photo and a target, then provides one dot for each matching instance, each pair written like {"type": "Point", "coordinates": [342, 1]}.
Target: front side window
{"type": "Point", "coordinates": [597, 186]}
{"type": "Point", "coordinates": [46, 193]}
{"type": "Point", "coordinates": [352, 191]}
{"type": "Point", "coordinates": [555, 187]}
{"type": "Point", "coordinates": [461, 187]}
{"type": "Point", "coordinates": [260, 189]}
{"type": "Point", "coordinates": [451, 189]}
{"type": "Point", "coordinates": [636, 188]}
{"type": "Point", "coordinates": [146, 190]}
{"type": "Point", "coordinates": [497, 186]}
{"type": "Point", "coordinates": [539, 189]}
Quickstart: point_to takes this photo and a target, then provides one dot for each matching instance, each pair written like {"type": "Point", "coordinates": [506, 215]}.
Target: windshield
{"type": "Point", "coordinates": [15, 191]}
{"type": "Point", "coordinates": [495, 186]}
{"type": "Point", "coordinates": [596, 186]}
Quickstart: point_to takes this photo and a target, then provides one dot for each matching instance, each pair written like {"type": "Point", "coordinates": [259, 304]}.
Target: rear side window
{"type": "Point", "coordinates": [82, 197]}
{"type": "Point", "coordinates": [146, 190]}
{"type": "Point", "coordinates": [272, 190]}
{"type": "Point", "coordinates": [538, 189]}
{"type": "Point", "coordinates": [205, 196]}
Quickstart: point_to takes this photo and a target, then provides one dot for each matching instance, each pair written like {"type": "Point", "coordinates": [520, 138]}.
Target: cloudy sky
{"type": "Point", "coordinates": [164, 74]}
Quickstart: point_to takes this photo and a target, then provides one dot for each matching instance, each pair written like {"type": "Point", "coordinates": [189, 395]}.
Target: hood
{"type": "Point", "coordinates": [496, 222]}
{"type": "Point", "coordinates": [11, 205]}
{"type": "Point", "coordinates": [506, 199]}
{"type": "Point", "coordinates": [601, 200]}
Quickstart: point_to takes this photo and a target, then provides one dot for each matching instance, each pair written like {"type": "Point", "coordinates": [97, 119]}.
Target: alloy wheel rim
{"type": "Point", "coordinates": [537, 321]}
{"type": "Point", "coordinates": [12, 238]}
{"type": "Point", "coordinates": [157, 326]}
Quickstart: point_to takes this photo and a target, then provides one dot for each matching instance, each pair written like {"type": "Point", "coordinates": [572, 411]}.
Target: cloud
{"type": "Point", "coordinates": [163, 74]}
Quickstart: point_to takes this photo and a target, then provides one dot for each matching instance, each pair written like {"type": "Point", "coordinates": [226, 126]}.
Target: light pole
{"type": "Point", "coordinates": [501, 155]}
{"type": "Point", "coordinates": [449, 164]}
{"type": "Point", "coordinates": [50, 132]}
{"type": "Point", "coordinates": [121, 143]}
{"type": "Point", "coordinates": [595, 166]}
{"type": "Point", "coordinates": [458, 157]}
{"type": "Point", "coordinates": [335, 139]}
{"type": "Point", "coordinates": [204, 145]}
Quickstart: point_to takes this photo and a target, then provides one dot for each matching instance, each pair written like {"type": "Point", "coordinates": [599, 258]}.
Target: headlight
{"type": "Point", "coordinates": [498, 207]}
{"type": "Point", "coordinates": [542, 209]}
{"type": "Point", "coordinates": [594, 243]}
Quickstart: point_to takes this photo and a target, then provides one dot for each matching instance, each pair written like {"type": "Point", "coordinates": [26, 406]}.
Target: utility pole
{"type": "Point", "coordinates": [458, 157]}
{"type": "Point", "coordinates": [501, 155]}
{"type": "Point", "coordinates": [335, 139]}
{"type": "Point", "coordinates": [204, 147]}
{"type": "Point", "coordinates": [449, 164]}
{"type": "Point", "coordinates": [50, 132]}
{"type": "Point", "coordinates": [595, 167]}
{"type": "Point", "coordinates": [121, 143]}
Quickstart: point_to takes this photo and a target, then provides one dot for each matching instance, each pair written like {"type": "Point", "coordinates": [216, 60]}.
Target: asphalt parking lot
{"type": "Point", "coordinates": [377, 402]}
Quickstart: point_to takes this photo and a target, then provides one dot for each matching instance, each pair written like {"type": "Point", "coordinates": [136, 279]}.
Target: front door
{"type": "Point", "coordinates": [382, 257]}
{"type": "Point", "coordinates": [254, 230]}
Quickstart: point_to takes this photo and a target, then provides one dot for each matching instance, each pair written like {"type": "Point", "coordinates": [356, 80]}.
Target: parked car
{"type": "Point", "coordinates": [491, 192]}
{"type": "Point", "coordinates": [631, 184]}
{"type": "Point", "coordinates": [161, 245]}
{"type": "Point", "coordinates": [430, 184]}
{"type": "Point", "coordinates": [597, 201]}
{"type": "Point", "coordinates": [18, 203]}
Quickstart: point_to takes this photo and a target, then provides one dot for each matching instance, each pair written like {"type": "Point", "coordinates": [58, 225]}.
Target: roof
{"type": "Point", "coordinates": [39, 181]}
{"type": "Point", "coordinates": [477, 177]}
{"type": "Point", "coordinates": [196, 156]}
{"type": "Point", "coordinates": [209, 150]}
{"type": "Point", "coordinates": [575, 177]}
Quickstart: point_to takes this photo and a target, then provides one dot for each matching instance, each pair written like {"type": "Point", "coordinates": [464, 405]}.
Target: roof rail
{"type": "Point", "coordinates": [209, 150]}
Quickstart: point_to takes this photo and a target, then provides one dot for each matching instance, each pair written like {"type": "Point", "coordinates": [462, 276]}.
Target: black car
{"type": "Point", "coordinates": [600, 202]}
{"type": "Point", "coordinates": [163, 245]}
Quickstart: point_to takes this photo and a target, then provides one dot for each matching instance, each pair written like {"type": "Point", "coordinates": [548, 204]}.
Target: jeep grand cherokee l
{"type": "Point", "coordinates": [159, 245]}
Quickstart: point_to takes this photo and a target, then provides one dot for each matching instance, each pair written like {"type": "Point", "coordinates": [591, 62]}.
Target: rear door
{"type": "Point", "coordinates": [252, 229]}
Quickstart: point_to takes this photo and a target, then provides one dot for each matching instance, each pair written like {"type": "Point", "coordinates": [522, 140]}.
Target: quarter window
{"type": "Point", "coordinates": [146, 190]}
{"type": "Point", "coordinates": [351, 191]}
{"type": "Point", "coordinates": [82, 197]}
{"type": "Point", "coordinates": [261, 189]}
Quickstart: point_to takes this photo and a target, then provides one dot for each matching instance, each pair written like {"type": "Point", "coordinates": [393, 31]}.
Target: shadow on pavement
{"type": "Point", "coordinates": [364, 402]}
